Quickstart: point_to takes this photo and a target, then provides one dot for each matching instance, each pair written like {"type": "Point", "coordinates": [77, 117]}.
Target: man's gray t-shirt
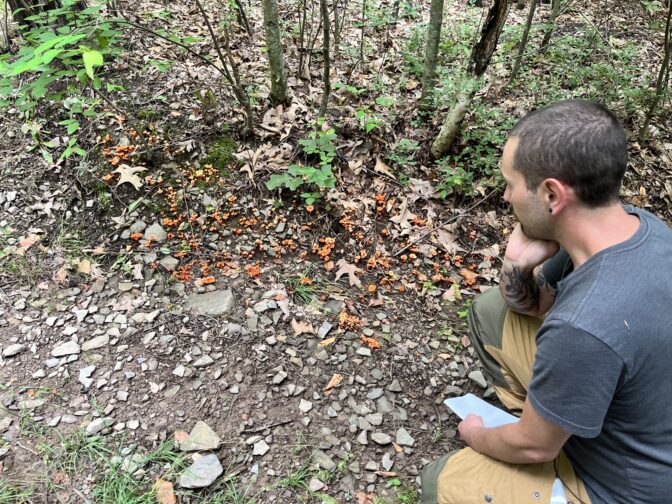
{"type": "Point", "coordinates": [603, 369]}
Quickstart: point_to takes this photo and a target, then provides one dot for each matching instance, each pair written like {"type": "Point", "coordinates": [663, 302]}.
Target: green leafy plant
{"type": "Point", "coordinates": [350, 89]}
{"type": "Point", "coordinates": [402, 153]}
{"type": "Point", "coordinates": [321, 144]}
{"type": "Point", "coordinates": [368, 120]}
{"type": "Point", "coordinates": [63, 49]}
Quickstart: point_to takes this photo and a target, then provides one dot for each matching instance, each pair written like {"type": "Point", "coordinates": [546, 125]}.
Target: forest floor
{"type": "Point", "coordinates": [161, 308]}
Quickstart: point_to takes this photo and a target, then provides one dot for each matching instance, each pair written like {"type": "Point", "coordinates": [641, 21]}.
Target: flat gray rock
{"type": "Point", "coordinates": [394, 386]}
{"type": "Point", "coordinates": [404, 438]}
{"type": "Point", "coordinates": [12, 350]}
{"type": "Point", "coordinates": [156, 233]}
{"type": "Point", "coordinates": [213, 303]}
{"type": "Point", "coordinates": [323, 460]}
{"type": "Point", "coordinates": [305, 406]}
{"type": "Point", "coordinates": [85, 376]}
{"type": "Point", "coordinates": [68, 348]}
{"type": "Point", "coordinates": [202, 437]}
{"type": "Point", "coordinates": [97, 342]}
{"type": "Point", "coordinates": [381, 438]}
{"type": "Point", "coordinates": [169, 263]}
{"type": "Point", "coordinates": [374, 394]}
{"type": "Point", "coordinates": [478, 378]}
{"type": "Point", "coordinates": [374, 418]}
{"type": "Point", "coordinates": [260, 448]}
{"type": "Point", "coordinates": [97, 425]}
{"type": "Point", "coordinates": [202, 473]}
{"type": "Point", "coordinates": [203, 361]}
{"type": "Point", "coordinates": [387, 462]}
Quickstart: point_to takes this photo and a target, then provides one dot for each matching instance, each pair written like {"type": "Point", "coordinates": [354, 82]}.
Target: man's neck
{"type": "Point", "coordinates": [586, 231]}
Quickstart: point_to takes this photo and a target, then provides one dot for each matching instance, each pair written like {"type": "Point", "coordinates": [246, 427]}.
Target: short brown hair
{"type": "Point", "coordinates": [578, 142]}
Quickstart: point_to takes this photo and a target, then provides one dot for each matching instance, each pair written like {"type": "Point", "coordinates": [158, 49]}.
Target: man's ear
{"type": "Point", "coordinates": [555, 194]}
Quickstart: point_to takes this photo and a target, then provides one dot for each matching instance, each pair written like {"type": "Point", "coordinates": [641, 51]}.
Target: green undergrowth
{"type": "Point", "coordinates": [125, 472]}
{"type": "Point", "coordinates": [15, 492]}
{"type": "Point", "coordinates": [579, 63]}
{"type": "Point", "coordinates": [220, 155]}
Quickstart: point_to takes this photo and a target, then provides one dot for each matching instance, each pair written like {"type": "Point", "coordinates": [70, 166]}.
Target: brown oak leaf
{"type": "Point", "coordinates": [128, 174]}
{"type": "Point", "coordinates": [351, 270]}
{"type": "Point", "coordinates": [300, 327]}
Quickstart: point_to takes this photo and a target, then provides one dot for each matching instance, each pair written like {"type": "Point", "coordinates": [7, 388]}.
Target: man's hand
{"type": "Point", "coordinates": [526, 252]}
{"type": "Point", "coordinates": [470, 427]}
{"type": "Point", "coordinates": [531, 440]}
{"type": "Point", "coordinates": [523, 291]}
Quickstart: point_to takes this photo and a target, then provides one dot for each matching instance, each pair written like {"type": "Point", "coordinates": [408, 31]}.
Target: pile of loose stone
{"type": "Point", "coordinates": [141, 357]}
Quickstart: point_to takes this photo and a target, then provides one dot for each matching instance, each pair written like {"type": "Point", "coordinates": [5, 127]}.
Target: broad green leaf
{"type": "Point", "coordinates": [277, 181]}
{"type": "Point", "coordinates": [26, 66]}
{"type": "Point", "coordinates": [91, 59]}
{"type": "Point", "coordinates": [48, 56]}
{"type": "Point", "coordinates": [295, 183]}
{"type": "Point", "coordinates": [48, 157]}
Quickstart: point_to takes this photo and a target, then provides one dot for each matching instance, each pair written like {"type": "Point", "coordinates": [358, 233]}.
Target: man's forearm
{"type": "Point", "coordinates": [508, 444]}
{"type": "Point", "coordinates": [519, 288]}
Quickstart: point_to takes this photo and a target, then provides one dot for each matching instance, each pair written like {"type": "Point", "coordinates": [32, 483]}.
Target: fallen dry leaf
{"type": "Point", "coordinates": [448, 241]}
{"type": "Point", "coordinates": [404, 217]}
{"type": "Point", "coordinates": [61, 276]}
{"type": "Point", "coordinates": [333, 383]}
{"type": "Point", "coordinates": [492, 251]}
{"type": "Point", "coordinates": [452, 294]}
{"type": "Point", "coordinates": [423, 187]}
{"type": "Point", "coordinates": [351, 270]}
{"type": "Point", "coordinates": [300, 327]}
{"type": "Point", "coordinates": [397, 448]}
{"type": "Point", "coordinates": [84, 266]}
{"type": "Point", "coordinates": [364, 498]}
{"type": "Point", "coordinates": [376, 302]}
{"type": "Point", "coordinates": [60, 478]}
{"type": "Point", "coordinates": [164, 492]}
{"type": "Point", "coordinates": [327, 341]}
{"type": "Point", "coordinates": [28, 242]}
{"type": "Point", "coordinates": [381, 167]}
{"type": "Point", "coordinates": [128, 175]}
{"type": "Point", "coordinates": [386, 474]}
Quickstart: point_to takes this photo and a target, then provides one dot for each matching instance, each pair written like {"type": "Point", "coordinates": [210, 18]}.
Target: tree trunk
{"type": "Point", "coordinates": [274, 51]}
{"type": "Point", "coordinates": [431, 53]}
{"type": "Point", "coordinates": [663, 76]}
{"type": "Point", "coordinates": [485, 47]}
{"type": "Point", "coordinates": [478, 63]}
{"type": "Point", "coordinates": [241, 17]}
{"type": "Point", "coordinates": [395, 11]}
{"type": "Point", "coordinates": [327, 61]}
{"type": "Point", "coordinates": [555, 10]}
{"type": "Point", "coordinates": [523, 42]}
{"type": "Point", "coordinates": [32, 7]}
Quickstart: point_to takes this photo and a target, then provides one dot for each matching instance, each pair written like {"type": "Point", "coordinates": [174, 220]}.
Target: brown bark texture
{"type": "Point", "coordinates": [483, 50]}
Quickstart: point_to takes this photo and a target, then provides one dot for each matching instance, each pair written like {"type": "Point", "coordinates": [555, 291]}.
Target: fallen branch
{"type": "Point", "coordinates": [452, 219]}
{"type": "Point", "coordinates": [262, 429]}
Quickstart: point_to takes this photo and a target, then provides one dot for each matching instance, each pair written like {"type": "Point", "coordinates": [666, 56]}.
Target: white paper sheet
{"type": "Point", "coordinates": [494, 417]}
{"type": "Point", "coordinates": [491, 415]}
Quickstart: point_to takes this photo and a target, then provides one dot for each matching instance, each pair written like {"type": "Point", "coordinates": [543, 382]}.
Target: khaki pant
{"type": "Point", "coordinates": [506, 344]}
